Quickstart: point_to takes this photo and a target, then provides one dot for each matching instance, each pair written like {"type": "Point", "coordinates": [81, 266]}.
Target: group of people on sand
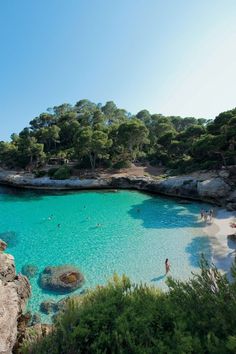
{"type": "Point", "coordinates": [206, 214]}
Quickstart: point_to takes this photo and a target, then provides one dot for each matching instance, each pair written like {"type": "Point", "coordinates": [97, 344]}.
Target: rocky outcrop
{"type": "Point", "coordinates": [48, 306]}
{"type": "Point", "coordinates": [3, 246]}
{"type": "Point", "coordinates": [29, 270]}
{"type": "Point", "coordinates": [14, 293]}
{"type": "Point", "coordinates": [216, 188]}
{"type": "Point", "coordinates": [64, 278]}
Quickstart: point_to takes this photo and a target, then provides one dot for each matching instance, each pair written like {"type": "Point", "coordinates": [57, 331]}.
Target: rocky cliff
{"type": "Point", "coordinates": [14, 293]}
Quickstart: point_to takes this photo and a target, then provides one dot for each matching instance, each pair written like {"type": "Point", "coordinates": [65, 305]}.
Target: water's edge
{"type": "Point", "coordinates": [216, 190]}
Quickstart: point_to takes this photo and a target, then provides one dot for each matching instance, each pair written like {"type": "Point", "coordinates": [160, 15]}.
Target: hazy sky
{"type": "Point", "coordinates": [168, 56]}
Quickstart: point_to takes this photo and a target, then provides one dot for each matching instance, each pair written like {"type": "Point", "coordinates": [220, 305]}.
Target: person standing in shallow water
{"type": "Point", "coordinates": [167, 265]}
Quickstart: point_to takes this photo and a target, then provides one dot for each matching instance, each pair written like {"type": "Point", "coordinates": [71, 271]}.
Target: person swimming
{"type": "Point", "coordinates": [167, 265]}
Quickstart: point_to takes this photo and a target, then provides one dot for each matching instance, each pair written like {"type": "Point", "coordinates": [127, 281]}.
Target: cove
{"type": "Point", "coordinates": [102, 232]}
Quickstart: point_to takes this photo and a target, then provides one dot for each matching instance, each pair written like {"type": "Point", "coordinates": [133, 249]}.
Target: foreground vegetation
{"type": "Point", "coordinates": [197, 316]}
{"type": "Point", "coordinates": [107, 136]}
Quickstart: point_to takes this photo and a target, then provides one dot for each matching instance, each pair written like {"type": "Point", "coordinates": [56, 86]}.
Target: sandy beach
{"type": "Point", "coordinates": [223, 250]}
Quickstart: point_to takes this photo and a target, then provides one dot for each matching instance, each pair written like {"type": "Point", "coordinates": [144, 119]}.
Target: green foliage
{"type": "Point", "coordinates": [62, 172]}
{"type": "Point", "coordinates": [52, 171]}
{"type": "Point", "coordinates": [121, 164]}
{"type": "Point", "coordinates": [104, 134]}
{"type": "Point", "coordinates": [197, 316]}
{"type": "Point", "coordinates": [40, 173]}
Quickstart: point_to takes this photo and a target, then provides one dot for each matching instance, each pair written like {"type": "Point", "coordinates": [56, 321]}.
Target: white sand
{"type": "Point", "coordinates": [223, 250]}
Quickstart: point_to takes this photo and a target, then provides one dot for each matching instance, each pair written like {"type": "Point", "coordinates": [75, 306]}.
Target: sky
{"type": "Point", "coordinates": [175, 57]}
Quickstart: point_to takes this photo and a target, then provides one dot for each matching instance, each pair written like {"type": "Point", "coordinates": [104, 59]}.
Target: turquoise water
{"type": "Point", "coordinates": [137, 232]}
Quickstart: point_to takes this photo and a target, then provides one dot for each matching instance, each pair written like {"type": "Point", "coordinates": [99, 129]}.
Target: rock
{"type": "Point", "coordinates": [14, 293]}
{"type": "Point", "coordinates": [36, 318]}
{"type": "Point", "coordinates": [29, 270]}
{"type": "Point", "coordinates": [232, 237]}
{"type": "Point", "coordinates": [3, 245]}
{"type": "Point", "coordinates": [224, 173]}
{"type": "Point", "coordinates": [7, 267]}
{"type": "Point", "coordinates": [65, 278]}
{"type": "Point", "coordinates": [213, 188]}
{"type": "Point", "coordinates": [48, 306]}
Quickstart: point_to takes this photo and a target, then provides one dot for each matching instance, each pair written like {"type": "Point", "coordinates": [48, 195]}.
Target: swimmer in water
{"type": "Point", "coordinates": [58, 225]}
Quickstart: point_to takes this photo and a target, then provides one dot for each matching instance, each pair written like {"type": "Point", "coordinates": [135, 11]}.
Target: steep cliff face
{"type": "Point", "coordinates": [14, 293]}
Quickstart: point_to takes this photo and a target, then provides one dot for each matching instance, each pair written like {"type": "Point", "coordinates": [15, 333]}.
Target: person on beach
{"type": "Point", "coordinates": [210, 214]}
{"type": "Point", "coordinates": [167, 265]}
{"type": "Point", "coordinates": [205, 215]}
{"type": "Point", "coordinates": [202, 213]}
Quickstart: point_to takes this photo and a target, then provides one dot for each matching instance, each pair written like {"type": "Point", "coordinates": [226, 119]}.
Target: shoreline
{"type": "Point", "coordinates": [215, 189]}
{"type": "Point", "coordinates": [223, 250]}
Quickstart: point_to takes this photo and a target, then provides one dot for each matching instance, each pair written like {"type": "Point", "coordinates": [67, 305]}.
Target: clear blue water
{"type": "Point", "coordinates": [138, 231]}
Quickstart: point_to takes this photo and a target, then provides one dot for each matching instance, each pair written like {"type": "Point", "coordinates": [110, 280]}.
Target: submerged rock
{"type": "Point", "coordinates": [3, 245]}
{"type": "Point", "coordinates": [48, 306]}
{"type": "Point", "coordinates": [29, 270]}
{"type": "Point", "coordinates": [65, 278]}
{"type": "Point", "coordinates": [10, 237]}
{"type": "Point", "coordinates": [36, 318]}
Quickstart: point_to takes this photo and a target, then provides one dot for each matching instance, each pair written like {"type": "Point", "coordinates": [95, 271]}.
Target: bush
{"type": "Point", "coordinates": [39, 174]}
{"type": "Point", "coordinates": [52, 171]}
{"type": "Point", "coordinates": [63, 172]}
{"type": "Point", "coordinates": [121, 164]}
{"type": "Point", "coordinates": [197, 316]}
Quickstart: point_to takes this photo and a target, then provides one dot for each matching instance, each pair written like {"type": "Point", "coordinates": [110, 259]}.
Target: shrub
{"type": "Point", "coordinates": [121, 164]}
{"type": "Point", "coordinates": [63, 172]}
{"type": "Point", "coordinates": [39, 173]}
{"type": "Point", "coordinates": [197, 316]}
{"type": "Point", "coordinates": [52, 171]}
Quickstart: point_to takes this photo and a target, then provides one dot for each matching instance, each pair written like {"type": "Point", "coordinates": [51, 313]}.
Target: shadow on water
{"type": "Point", "coordinates": [161, 277]}
{"type": "Point", "coordinates": [10, 237]}
{"type": "Point", "coordinates": [26, 195]}
{"type": "Point", "coordinates": [164, 213]}
{"type": "Point", "coordinates": [197, 247]}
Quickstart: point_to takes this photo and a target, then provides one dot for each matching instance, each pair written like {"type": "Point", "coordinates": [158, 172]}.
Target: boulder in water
{"type": "Point", "coordinates": [64, 278]}
{"type": "Point", "coordinates": [29, 270]}
{"type": "Point", "coordinates": [48, 306]}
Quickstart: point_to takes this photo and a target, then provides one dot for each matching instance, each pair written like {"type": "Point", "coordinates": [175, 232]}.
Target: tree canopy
{"type": "Point", "coordinates": [95, 134]}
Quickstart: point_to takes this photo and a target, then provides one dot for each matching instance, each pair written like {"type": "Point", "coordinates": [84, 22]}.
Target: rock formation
{"type": "Point", "coordinates": [217, 187]}
{"type": "Point", "coordinates": [14, 293]}
{"type": "Point", "coordinates": [64, 278]}
{"type": "Point", "coordinates": [29, 270]}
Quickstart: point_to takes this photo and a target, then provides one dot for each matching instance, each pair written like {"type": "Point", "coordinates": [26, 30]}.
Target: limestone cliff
{"type": "Point", "coordinates": [14, 293]}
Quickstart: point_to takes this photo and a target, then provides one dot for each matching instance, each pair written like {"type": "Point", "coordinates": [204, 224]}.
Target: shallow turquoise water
{"type": "Point", "coordinates": [138, 231]}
